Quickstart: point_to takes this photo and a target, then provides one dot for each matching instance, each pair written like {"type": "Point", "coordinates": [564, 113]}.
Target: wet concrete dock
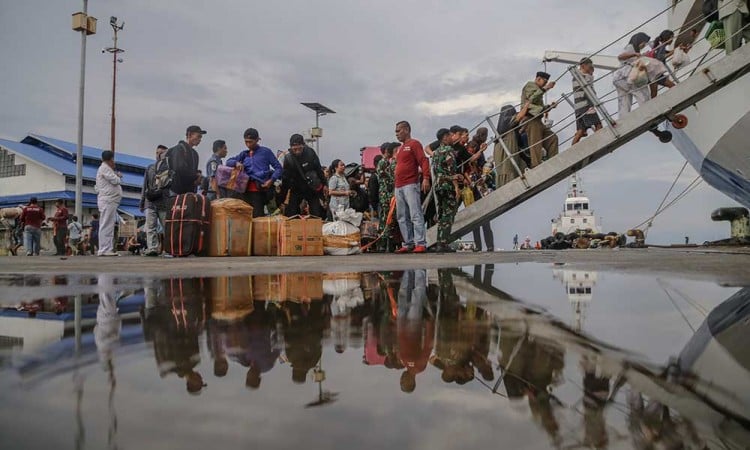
{"type": "Point", "coordinates": [730, 266]}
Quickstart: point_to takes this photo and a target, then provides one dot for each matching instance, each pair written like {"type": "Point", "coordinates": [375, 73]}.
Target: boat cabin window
{"type": "Point", "coordinates": [572, 221]}
{"type": "Point", "coordinates": [585, 206]}
{"type": "Point", "coordinates": [584, 220]}
{"type": "Point", "coordinates": [570, 207]}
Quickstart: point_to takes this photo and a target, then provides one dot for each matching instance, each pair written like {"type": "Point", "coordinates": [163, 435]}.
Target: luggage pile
{"type": "Point", "coordinates": [562, 241]}
{"type": "Point", "coordinates": [225, 227]}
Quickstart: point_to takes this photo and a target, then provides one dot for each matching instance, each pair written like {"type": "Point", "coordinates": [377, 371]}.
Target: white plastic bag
{"type": "Point", "coordinates": [680, 58]}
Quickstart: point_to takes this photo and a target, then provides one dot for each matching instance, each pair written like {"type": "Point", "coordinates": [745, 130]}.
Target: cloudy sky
{"type": "Point", "coordinates": [229, 64]}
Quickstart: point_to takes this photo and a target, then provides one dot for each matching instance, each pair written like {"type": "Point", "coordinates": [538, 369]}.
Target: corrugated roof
{"type": "Point", "coordinates": [89, 199]}
{"type": "Point", "coordinates": [93, 152]}
{"type": "Point", "coordinates": [62, 164]}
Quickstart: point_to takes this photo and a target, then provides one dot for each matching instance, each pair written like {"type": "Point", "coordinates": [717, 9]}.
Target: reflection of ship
{"type": "Point", "coordinates": [577, 213]}
{"type": "Point", "coordinates": [578, 286]}
{"type": "Point", "coordinates": [703, 398]}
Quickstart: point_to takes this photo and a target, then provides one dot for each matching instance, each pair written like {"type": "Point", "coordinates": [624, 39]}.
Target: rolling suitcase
{"type": "Point", "coordinates": [186, 226]}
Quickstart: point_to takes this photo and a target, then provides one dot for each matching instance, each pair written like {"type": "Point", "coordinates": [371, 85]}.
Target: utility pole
{"type": "Point", "coordinates": [114, 50]}
{"type": "Point", "coordinates": [85, 25]}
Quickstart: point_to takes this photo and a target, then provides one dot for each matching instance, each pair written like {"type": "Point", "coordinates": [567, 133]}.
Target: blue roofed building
{"type": "Point", "coordinates": [45, 167]}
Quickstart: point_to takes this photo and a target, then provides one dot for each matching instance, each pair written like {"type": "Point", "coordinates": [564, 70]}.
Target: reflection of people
{"type": "Point", "coordinates": [415, 334]}
{"type": "Point", "coordinates": [303, 331]}
{"type": "Point", "coordinates": [108, 322]}
{"type": "Point", "coordinates": [174, 323]}
{"type": "Point", "coordinates": [256, 349]}
{"type": "Point", "coordinates": [530, 368]}
{"type": "Point", "coordinates": [596, 391]}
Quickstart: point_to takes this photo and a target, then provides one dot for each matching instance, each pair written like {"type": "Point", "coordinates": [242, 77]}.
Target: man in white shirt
{"type": "Point", "coordinates": [109, 194]}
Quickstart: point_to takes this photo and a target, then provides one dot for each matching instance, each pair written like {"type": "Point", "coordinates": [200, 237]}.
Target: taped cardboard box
{"type": "Point", "coordinates": [268, 288]}
{"type": "Point", "coordinates": [231, 228]}
{"type": "Point", "coordinates": [296, 287]}
{"type": "Point", "coordinates": [266, 235]}
{"type": "Point", "coordinates": [301, 237]}
{"type": "Point", "coordinates": [231, 297]}
{"type": "Point", "coordinates": [301, 287]}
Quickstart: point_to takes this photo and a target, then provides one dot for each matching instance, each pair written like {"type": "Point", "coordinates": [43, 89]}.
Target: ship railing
{"type": "Point", "coordinates": [561, 127]}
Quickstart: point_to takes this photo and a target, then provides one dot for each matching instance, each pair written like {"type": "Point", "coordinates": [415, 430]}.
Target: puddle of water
{"type": "Point", "coordinates": [529, 356]}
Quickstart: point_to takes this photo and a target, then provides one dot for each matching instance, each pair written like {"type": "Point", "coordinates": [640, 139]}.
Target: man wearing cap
{"type": "Point", "coordinates": [219, 151]}
{"type": "Point", "coordinates": [540, 137]}
{"type": "Point", "coordinates": [262, 167]}
{"type": "Point", "coordinates": [302, 179]}
{"type": "Point", "coordinates": [183, 161]}
{"type": "Point", "coordinates": [586, 116]}
{"type": "Point", "coordinates": [109, 193]}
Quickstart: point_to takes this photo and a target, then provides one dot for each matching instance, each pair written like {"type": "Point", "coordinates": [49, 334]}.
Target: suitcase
{"type": "Point", "coordinates": [187, 224]}
{"type": "Point", "coordinates": [231, 228]}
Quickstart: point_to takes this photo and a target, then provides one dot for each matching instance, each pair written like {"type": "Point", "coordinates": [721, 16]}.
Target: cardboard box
{"type": "Point", "coordinates": [231, 297]}
{"type": "Point", "coordinates": [231, 228]}
{"type": "Point", "coordinates": [296, 287]}
{"type": "Point", "coordinates": [301, 237]}
{"type": "Point", "coordinates": [266, 235]}
{"type": "Point", "coordinates": [302, 287]}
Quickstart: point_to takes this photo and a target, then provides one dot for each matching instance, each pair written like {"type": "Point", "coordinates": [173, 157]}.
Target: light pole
{"type": "Point", "coordinates": [114, 50]}
{"type": "Point", "coordinates": [85, 25]}
{"type": "Point", "coordinates": [317, 132]}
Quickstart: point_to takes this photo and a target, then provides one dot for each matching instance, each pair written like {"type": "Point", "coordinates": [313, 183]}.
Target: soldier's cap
{"type": "Point", "coordinates": [441, 133]}
{"type": "Point", "coordinates": [251, 133]}
{"type": "Point", "coordinates": [195, 129]}
{"type": "Point", "coordinates": [544, 75]}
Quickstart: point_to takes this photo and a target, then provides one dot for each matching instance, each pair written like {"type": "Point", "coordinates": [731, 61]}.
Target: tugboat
{"type": "Point", "coordinates": [577, 214]}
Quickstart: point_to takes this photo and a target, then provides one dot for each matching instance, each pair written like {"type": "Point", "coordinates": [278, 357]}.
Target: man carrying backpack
{"type": "Point", "coordinates": [302, 179]}
{"type": "Point", "coordinates": [154, 199]}
{"type": "Point", "coordinates": [183, 162]}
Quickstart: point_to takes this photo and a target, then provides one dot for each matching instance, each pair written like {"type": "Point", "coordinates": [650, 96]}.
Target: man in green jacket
{"type": "Point", "coordinates": [539, 135]}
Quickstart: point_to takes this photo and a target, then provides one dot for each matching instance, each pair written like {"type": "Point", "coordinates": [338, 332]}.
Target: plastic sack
{"type": "Point", "coordinates": [467, 194]}
{"type": "Point", "coordinates": [680, 58]}
{"type": "Point", "coordinates": [341, 238]}
{"type": "Point", "coordinates": [232, 178]}
{"type": "Point", "coordinates": [638, 77]}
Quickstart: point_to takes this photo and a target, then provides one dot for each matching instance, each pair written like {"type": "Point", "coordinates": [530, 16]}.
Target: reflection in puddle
{"type": "Point", "coordinates": [375, 346]}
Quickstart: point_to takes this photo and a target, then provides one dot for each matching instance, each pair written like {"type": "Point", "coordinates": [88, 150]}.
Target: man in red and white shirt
{"type": "Point", "coordinates": [410, 158]}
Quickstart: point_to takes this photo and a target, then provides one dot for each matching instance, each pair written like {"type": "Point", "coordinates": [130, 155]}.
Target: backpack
{"type": "Point", "coordinates": [710, 10]}
{"type": "Point", "coordinates": [183, 164]}
{"type": "Point", "coordinates": [160, 180]}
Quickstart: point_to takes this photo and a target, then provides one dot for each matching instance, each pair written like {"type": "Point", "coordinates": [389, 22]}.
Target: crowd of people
{"type": "Point", "coordinates": [419, 186]}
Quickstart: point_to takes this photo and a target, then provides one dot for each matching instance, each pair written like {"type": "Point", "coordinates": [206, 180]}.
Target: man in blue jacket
{"type": "Point", "coordinates": [262, 167]}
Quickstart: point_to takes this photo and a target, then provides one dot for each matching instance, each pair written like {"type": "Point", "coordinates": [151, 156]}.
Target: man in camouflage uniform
{"type": "Point", "coordinates": [386, 173]}
{"type": "Point", "coordinates": [446, 188]}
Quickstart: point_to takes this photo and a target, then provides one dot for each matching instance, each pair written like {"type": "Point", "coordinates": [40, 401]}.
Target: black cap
{"type": "Point", "coordinates": [544, 75]}
{"type": "Point", "coordinates": [251, 133]}
{"type": "Point", "coordinates": [296, 139]}
{"type": "Point", "coordinates": [195, 129]}
{"type": "Point", "coordinates": [441, 133]}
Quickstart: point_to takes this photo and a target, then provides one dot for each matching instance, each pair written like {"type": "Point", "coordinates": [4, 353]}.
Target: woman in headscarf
{"type": "Point", "coordinates": [510, 133]}
{"type": "Point", "coordinates": [626, 89]}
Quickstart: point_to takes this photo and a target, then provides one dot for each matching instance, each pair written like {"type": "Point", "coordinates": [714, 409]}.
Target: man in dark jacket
{"type": "Point", "coordinates": [302, 178]}
{"type": "Point", "coordinates": [183, 161]}
{"type": "Point", "coordinates": [155, 210]}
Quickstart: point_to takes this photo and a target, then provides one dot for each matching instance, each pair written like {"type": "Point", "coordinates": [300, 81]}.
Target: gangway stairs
{"type": "Point", "coordinates": [665, 106]}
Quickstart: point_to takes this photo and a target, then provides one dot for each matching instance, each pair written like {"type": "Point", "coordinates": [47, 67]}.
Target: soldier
{"type": "Point", "coordinates": [446, 188]}
{"type": "Point", "coordinates": [385, 172]}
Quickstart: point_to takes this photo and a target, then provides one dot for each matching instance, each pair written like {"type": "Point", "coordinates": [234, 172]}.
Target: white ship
{"type": "Point", "coordinates": [579, 286]}
{"type": "Point", "coordinates": [577, 213]}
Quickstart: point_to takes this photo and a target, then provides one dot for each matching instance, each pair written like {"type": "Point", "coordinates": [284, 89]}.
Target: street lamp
{"type": "Point", "coordinates": [85, 25]}
{"type": "Point", "coordinates": [114, 50]}
{"type": "Point", "coordinates": [317, 132]}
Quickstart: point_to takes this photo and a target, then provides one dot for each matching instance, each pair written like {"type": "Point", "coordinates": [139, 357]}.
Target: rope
{"type": "Point", "coordinates": [679, 174]}
{"type": "Point", "coordinates": [658, 280]}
